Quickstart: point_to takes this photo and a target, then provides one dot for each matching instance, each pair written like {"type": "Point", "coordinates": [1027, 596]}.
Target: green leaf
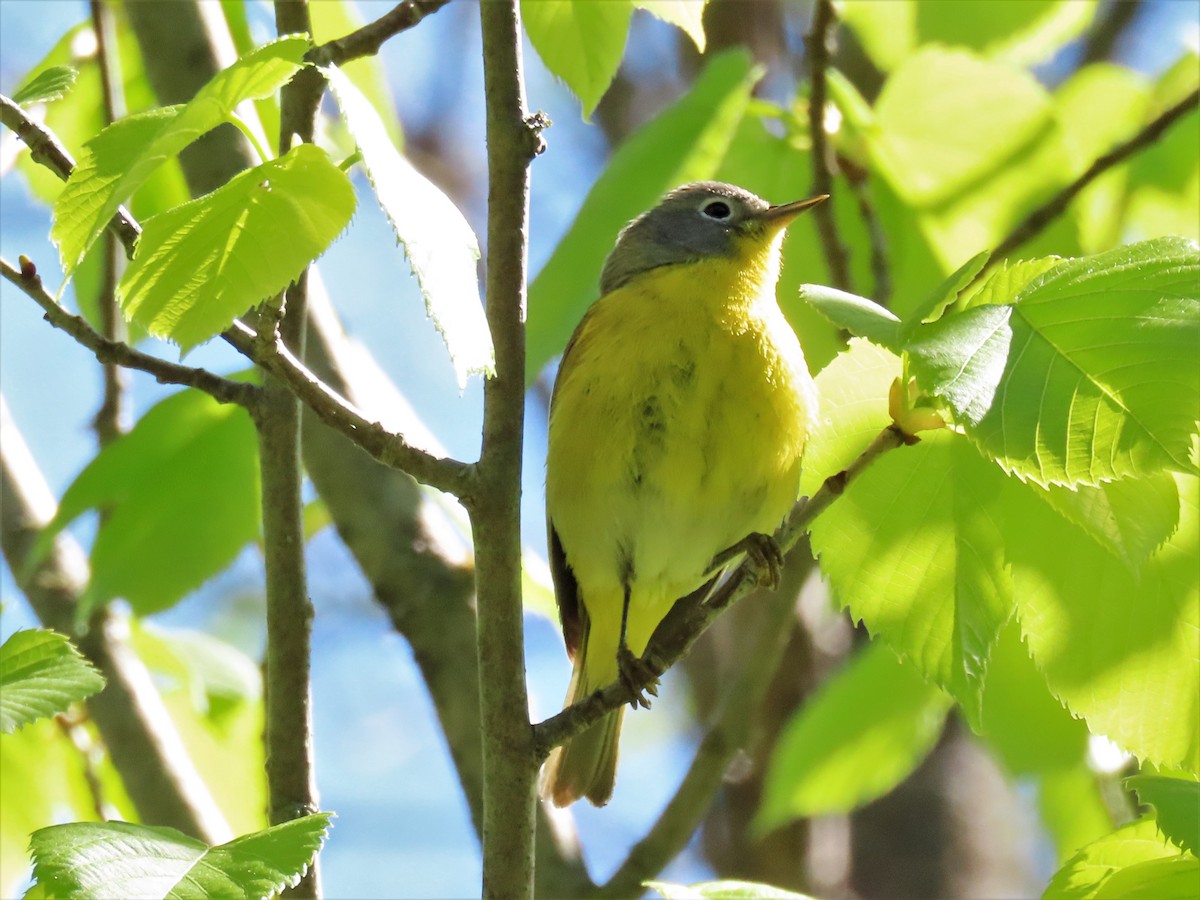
{"type": "Point", "coordinates": [723, 890]}
{"type": "Point", "coordinates": [858, 315]}
{"type": "Point", "coordinates": [915, 545]}
{"type": "Point", "coordinates": [687, 15]}
{"type": "Point", "coordinates": [117, 859]}
{"type": "Point", "coordinates": [1176, 803]}
{"type": "Point", "coordinates": [580, 41]}
{"type": "Point", "coordinates": [864, 731]}
{"type": "Point", "coordinates": [1072, 808]}
{"type": "Point", "coordinates": [200, 265]}
{"type": "Point", "coordinates": [686, 142]}
{"type": "Point", "coordinates": [1006, 281]}
{"type": "Point", "coordinates": [1016, 31]}
{"type": "Point", "coordinates": [120, 159]}
{"type": "Point", "coordinates": [440, 245]}
{"type": "Point", "coordinates": [947, 129]}
{"type": "Point", "coordinates": [1117, 648]}
{"type": "Point", "coordinates": [944, 294]}
{"type": "Point", "coordinates": [182, 494]}
{"type": "Point", "coordinates": [1024, 724]}
{"type": "Point", "coordinates": [44, 783]}
{"type": "Point", "coordinates": [1088, 375]}
{"type": "Point", "coordinates": [41, 674]}
{"type": "Point", "coordinates": [1131, 518]}
{"type": "Point", "coordinates": [1120, 860]}
{"type": "Point", "coordinates": [49, 84]}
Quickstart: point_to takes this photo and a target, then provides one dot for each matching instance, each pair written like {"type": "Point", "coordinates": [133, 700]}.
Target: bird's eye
{"type": "Point", "coordinates": [717, 209]}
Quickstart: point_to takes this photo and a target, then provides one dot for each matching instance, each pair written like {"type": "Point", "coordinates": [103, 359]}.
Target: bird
{"type": "Point", "coordinates": [677, 424]}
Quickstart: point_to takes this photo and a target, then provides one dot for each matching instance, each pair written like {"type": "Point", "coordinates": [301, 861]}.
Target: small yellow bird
{"type": "Point", "coordinates": [676, 427]}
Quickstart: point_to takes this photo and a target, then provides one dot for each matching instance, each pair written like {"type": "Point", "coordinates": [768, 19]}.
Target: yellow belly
{"type": "Point", "coordinates": [676, 430]}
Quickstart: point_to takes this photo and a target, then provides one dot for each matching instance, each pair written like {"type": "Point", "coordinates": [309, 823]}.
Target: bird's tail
{"type": "Point", "coordinates": [586, 765]}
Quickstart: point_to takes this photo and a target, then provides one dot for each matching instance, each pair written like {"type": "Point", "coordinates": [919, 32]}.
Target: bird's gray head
{"type": "Point", "coordinates": [693, 222]}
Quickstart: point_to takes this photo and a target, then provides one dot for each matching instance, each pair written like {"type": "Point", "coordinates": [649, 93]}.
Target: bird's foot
{"type": "Point", "coordinates": [763, 553]}
{"type": "Point", "coordinates": [635, 671]}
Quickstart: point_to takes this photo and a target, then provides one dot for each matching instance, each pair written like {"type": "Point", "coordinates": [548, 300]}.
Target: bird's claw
{"type": "Point", "coordinates": [635, 671]}
{"type": "Point", "coordinates": [762, 551]}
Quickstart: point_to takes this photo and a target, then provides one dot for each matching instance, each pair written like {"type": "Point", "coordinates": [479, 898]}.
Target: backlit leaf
{"type": "Point", "coordinates": [49, 84]}
{"type": "Point", "coordinates": [182, 494]}
{"type": "Point", "coordinates": [723, 890]}
{"type": "Point", "coordinates": [1118, 648]}
{"type": "Point", "coordinates": [41, 674]}
{"type": "Point", "coordinates": [1088, 375]}
{"type": "Point", "coordinates": [1176, 803]}
{"type": "Point", "coordinates": [120, 159]}
{"type": "Point", "coordinates": [580, 41]}
{"type": "Point", "coordinates": [858, 315]}
{"type": "Point", "coordinates": [914, 547]}
{"type": "Point", "coordinates": [1134, 854]}
{"type": "Point", "coordinates": [865, 730]}
{"type": "Point", "coordinates": [200, 265]}
{"type": "Point", "coordinates": [441, 247]}
{"type": "Point", "coordinates": [687, 15]}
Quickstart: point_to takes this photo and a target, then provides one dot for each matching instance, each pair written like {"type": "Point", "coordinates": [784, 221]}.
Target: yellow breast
{"type": "Point", "coordinates": [677, 425]}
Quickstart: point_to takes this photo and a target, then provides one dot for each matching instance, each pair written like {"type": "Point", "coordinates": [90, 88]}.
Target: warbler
{"type": "Point", "coordinates": [677, 423]}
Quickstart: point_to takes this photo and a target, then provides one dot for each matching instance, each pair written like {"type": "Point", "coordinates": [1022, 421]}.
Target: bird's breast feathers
{"type": "Point", "coordinates": [677, 425]}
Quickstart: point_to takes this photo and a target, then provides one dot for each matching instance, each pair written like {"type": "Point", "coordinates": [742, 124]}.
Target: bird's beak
{"type": "Point", "coordinates": [782, 215]}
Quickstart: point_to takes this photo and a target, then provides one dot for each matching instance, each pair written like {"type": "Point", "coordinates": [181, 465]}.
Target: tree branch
{"type": "Point", "coordinates": [824, 165]}
{"type": "Point", "coordinates": [1056, 205]}
{"type": "Point", "coordinates": [690, 616]}
{"type": "Point", "coordinates": [367, 40]}
{"type": "Point", "coordinates": [291, 776]}
{"type": "Point", "coordinates": [142, 742]}
{"type": "Point", "coordinates": [48, 151]}
{"type": "Point", "coordinates": [509, 765]}
{"type": "Point", "coordinates": [109, 351]}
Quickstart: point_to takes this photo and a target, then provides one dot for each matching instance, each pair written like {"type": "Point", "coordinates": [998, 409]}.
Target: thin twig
{"type": "Point", "coordinates": [337, 412]}
{"type": "Point", "coordinates": [824, 165]}
{"type": "Point", "coordinates": [367, 40]}
{"type": "Point", "coordinates": [48, 151]}
{"type": "Point", "coordinates": [881, 270]}
{"type": "Point", "coordinates": [690, 616]}
{"type": "Point", "coordinates": [221, 389]}
{"type": "Point", "coordinates": [1056, 205]}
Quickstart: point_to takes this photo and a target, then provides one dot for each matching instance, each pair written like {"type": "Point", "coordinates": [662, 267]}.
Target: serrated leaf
{"type": "Point", "coordinates": [1006, 281]}
{"type": "Point", "coordinates": [41, 674]}
{"type": "Point", "coordinates": [580, 41]}
{"type": "Point", "coordinates": [112, 167]}
{"type": "Point", "coordinates": [117, 859]}
{"type": "Point", "coordinates": [441, 247]}
{"type": "Point", "coordinates": [861, 317]}
{"type": "Point", "coordinates": [866, 729]}
{"type": "Point", "coordinates": [1026, 726]}
{"type": "Point", "coordinates": [182, 494]}
{"type": "Point", "coordinates": [915, 545]}
{"type": "Point", "coordinates": [1118, 649]}
{"type": "Point", "coordinates": [723, 890]}
{"type": "Point", "coordinates": [686, 142]}
{"type": "Point", "coordinates": [49, 84]}
{"type": "Point", "coordinates": [944, 294]}
{"type": "Point", "coordinates": [687, 15]}
{"type": "Point", "coordinates": [1132, 517]}
{"type": "Point", "coordinates": [1176, 803]}
{"type": "Point", "coordinates": [1089, 375]}
{"type": "Point", "coordinates": [200, 265]}
{"type": "Point", "coordinates": [1126, 856]}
